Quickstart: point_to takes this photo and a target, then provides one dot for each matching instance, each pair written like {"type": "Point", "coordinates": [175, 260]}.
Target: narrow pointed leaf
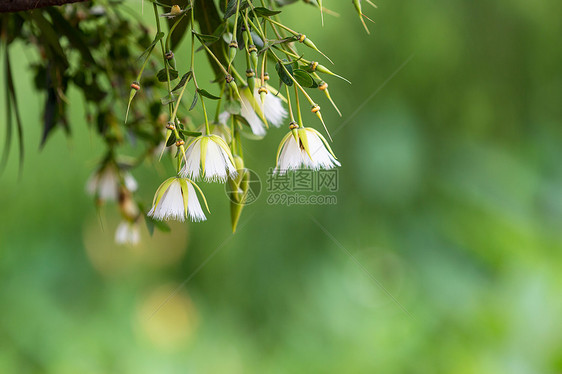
{"type": "Point", "coordinates": [207, 94]}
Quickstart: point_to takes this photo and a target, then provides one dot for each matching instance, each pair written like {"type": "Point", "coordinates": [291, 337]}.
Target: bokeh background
{"type": "Point", "coordinates": [442, 254]}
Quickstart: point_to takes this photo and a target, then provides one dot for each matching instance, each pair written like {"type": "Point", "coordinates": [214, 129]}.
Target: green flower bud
{"type": "Point", "coordinates": [253, 56]}
{"type": "Point", "coordinates": [251, 79]}
{"type": "Point", "coordinates": [232, 49]}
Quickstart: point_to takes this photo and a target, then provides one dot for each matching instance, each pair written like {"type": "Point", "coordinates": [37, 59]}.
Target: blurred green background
{"type": "Point", "coordinates": [450, 197]}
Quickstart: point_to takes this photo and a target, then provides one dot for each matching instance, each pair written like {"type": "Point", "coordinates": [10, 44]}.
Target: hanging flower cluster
{"type": "Point", "coordinates": [245, 43]}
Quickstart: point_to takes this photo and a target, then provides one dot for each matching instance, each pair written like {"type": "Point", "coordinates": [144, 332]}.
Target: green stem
{"type": "Point", "coordinates": [282, 26]}
{"type": "Point", "coordinates": [207, 130]}
{"type": "Point", "coordinates": [168, 38]}
{"type": "Point", "coordinates": [217, 112]}
{"type": "Point", "coordinates": [289, 104]}
{"type": "Point", "coordinates": [212, 55]}
{"type": "Point", "coordinates": [163, 54]}
{"type": "Point", "coordinates": [173, 112]}
{"type": "Point", "coordinates": [301, 123]}
{"type": "Point", "coordinates": [236, 20]}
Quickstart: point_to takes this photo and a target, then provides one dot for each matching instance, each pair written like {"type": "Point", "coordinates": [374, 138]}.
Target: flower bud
{"type": "Point", "coordinates": [358, 8]}
{"type": "Point", "coordinates": [293, 126]}
{"type": "Point", "coordinates": [238, 191]}
{"type": "Point", "coordinates": [315, 66]}
{"type": "Point", "coordinates": [304, 40]}
{"type": "Point", "coordinates": [232, 49]}
{"type": "Point", "coordinates": [251, 79]}
{"type": "Point", "coordinates": [262, 91]}
{"type": "Point", "coordinates": [232, 84]}
{"type": "Point", "coordinates": [253, 55]}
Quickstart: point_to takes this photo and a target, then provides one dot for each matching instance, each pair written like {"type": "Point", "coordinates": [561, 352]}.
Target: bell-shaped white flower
{"type": "Point", "coordinates": [208, 156]}
{"type": "Point", "coordinates": [127, 233]}
{"type": "Point", "coordinates": [176, 199]}
{"type": "Point", "coordinates": [272, 108]}
{"type": "Point", "coordinates": [251, 111]}
{"type": "Point", "coordinates": [255, 113]}
{"type": "Point", "coordinates": [105, 182]}
{"type": "Point", "coordinates": [304, 148]}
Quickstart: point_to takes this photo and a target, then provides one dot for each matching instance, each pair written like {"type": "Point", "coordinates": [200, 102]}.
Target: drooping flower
{"type": "Point", "coordinates": [272, 108]}
{"type": "Point", "coordinates": [254, 112]}
{"type": "Point", "coordinates": [105, 182]}
{"type": "Point", "coordinates": [304, 147]}
{"type": "Point", "coordinates": [176, 199]}
{"type": "Point", "coordinates": [127, 233]}
{"type": "Point", "coordinates": [208, 156]}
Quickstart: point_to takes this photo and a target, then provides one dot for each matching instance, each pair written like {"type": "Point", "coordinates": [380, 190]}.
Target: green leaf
{"type": "Point", "coordinates": [194, 102]}
{"type": "Point", "coordinates": [162, 76]}
{"type": "Point", "coordinates": [191, 133]}
{"type": "Point", "coordinates": [148, 50]}
{"type": "Point", "coordinates": [11, 101]}
{"type": "Point", "coordinates": [183, 81]}
{"type": "Point", "coordinates": [207, 94]}
{"type": "Point", "coordinates": [285, 73]}
{"type": "Point", "coordinates": [304, 79]}
{"type": "Point", "coordinates": [264, 12]}
{"type": "Point", "coordinates": [231, 8]}
{"type": "Point", "coordinates": [152, 223]}
{"type": "Point", "coordinates": [207, 39]}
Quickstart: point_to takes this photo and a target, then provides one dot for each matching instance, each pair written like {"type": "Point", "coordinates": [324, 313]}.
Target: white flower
{"type": "Point", "coordinates": [304, 147]}
{"type": "Point", "coordinates": [208, 156]}
{"type": "Point", "coordinates": [176, 199]}
{"type": "Point", "coordinates": [272, 108]}
{"type": "Point", "coordinates": [127, 233]}
{"type": "Point", "coordinates": [105, 183]}
{"type": "Point", "coordinates": [254, 112]}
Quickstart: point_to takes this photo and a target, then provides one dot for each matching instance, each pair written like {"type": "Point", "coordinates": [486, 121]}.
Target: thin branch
{"type": "Point", "coordinates": [7, 6]}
